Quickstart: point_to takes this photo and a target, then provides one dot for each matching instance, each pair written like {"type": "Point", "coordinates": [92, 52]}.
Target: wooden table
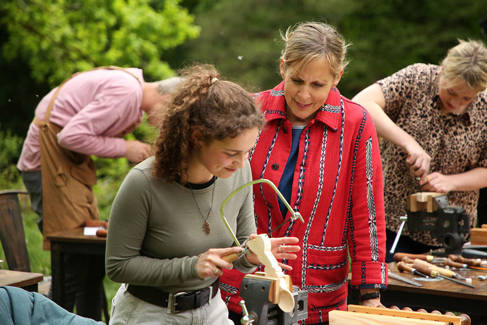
{"type": "Point", "coordinates": [25, 280]}
{"type": "Point", "coordinates": [74, 242]}
{"type": "Point", "coordinates": [443, 295]}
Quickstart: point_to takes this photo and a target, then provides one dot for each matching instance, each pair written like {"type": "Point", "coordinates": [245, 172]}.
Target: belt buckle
{"type": "Point", "coordinates": [172, 301]}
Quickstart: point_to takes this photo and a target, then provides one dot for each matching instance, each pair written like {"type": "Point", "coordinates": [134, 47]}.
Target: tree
{"type": "Point", "coordinates": [53, 39]}
{"type": "Point", "coordinates": [243, 37]}
{"type": "Point", "coordinates": [60, 37]}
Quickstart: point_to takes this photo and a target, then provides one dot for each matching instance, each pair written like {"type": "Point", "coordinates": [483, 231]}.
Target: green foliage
{"type": "Point", "coordinates": [111, 172]}
{"type": "Point", "coordinates": [60, 37]}
{"type": "Point", "coordinates": [10, 147]}
{"type": "Point", "coordinates": [242, 37]}
{"type": "Point", "coordinates": [389, 35]}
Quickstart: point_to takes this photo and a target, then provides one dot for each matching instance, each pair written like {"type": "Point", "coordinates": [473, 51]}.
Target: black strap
{"type": "Point", "coordinates": [370, 295]}
{"type": "Point", "coordinates": [182, 301]}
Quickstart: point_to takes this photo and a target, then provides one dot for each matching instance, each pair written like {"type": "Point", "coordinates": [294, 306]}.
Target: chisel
{"type": "Point", "coordinates": [434, 271]}
{"type": "Point", "coordinates": [401, 266]}
{"type": "Point", "coordinates": [468, 261]}
{"type": "Point", "coordinates": [425, 257]}
{"type": "Point", "coordinates": [403, 279]}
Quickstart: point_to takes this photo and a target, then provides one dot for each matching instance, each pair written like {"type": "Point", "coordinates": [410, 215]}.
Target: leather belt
{"type": "Point", "coordinates": [175, 302]}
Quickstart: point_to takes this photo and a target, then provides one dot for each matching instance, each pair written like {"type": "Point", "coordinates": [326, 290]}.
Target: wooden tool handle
{"type": "Point", "coordinates": [425, 267]}
{"type": "Point", "coordinates": [461, 259]}
{"type": "Point", "coordinates": [440, 270]}
{"type": "Point", "coordinates": [401, 256]}
{"type": "Point", "coordinates": [231, 257]}
{"type": "Point", "coordinates": [403, 267]}
{"type": "Point", "coordinates": [451, 263]}
{"type": "Point", "coordinates": [102, 232]}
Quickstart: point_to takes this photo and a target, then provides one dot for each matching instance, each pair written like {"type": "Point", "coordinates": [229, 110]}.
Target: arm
{"type": "Point", "coordinates": [97, 128]}
{"type": "Point", "coordinates": [471, 180]}
{"type": "Point", "coordinates": [129, 222]}
{"type": "Point", "coordinates": [366, 235]}
{"type": "Point", "coordinates": [372, 98]}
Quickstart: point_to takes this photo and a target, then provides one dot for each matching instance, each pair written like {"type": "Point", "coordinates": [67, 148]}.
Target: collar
{"type": "Point", "coordinates": [273, 105]}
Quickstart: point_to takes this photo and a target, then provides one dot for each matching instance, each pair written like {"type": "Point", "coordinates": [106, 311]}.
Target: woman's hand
{"type": "Point", "coordinates": [373, 303]}
{"type": "Point", "coordinates": [281, 247]}
{"type": "Point", "coordinates": [417, 159]}
{"type": "Point", "coordinates": [437, 182]}
{"type": "Point", "coordinates": [211, 262]}
{"type": "Point", "coordinates": [374, 296]}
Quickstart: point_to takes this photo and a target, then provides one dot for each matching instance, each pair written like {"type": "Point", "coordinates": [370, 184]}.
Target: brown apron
{"type": "Point", "coordinates": [67, 178]}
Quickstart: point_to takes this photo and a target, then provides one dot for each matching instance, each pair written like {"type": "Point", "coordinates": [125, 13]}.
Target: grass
{"type": "Point", "coordinates": [40, 260]}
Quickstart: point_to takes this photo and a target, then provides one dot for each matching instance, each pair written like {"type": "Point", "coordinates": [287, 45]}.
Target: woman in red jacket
{"type": "Point", "coordinates": [322, 151]}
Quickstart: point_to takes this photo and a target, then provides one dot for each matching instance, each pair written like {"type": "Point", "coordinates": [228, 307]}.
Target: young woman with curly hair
{"type": "Point", "coordinates": [166, 240]}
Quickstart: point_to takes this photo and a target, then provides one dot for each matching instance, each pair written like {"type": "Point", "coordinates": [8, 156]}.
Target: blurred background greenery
{"type": "Point", "coordinates": [43, 42]}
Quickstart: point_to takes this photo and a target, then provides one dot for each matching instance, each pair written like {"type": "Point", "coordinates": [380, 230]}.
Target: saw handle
{"type": "Point", "coordinates": [400, 257]}
{"type": "Point", "coordinates": [463, 260]}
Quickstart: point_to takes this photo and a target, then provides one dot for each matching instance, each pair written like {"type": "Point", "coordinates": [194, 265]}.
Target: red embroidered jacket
{"type": "Point", "coordinates": [337, 188]}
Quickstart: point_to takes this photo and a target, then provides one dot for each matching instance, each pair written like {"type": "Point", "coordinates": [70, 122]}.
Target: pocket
{"type": "Point", "coordinates": [85, 172]}
{"type": "Point", "coordinates": [61, 179]}
{"type": "Point", "coordinates": [326, 266]}
{"type": "Point", "coordinates": [123, 307]}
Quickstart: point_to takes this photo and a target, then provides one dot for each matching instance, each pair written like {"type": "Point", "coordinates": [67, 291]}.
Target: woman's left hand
{"type": "Point", "coordinates": [437, 182]}
{"type": "Point", "coordinates": [375, 302]}
{"type": "Point", "coordinates": [281, 248]}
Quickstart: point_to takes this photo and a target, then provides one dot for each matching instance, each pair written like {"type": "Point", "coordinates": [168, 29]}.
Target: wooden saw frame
{"type": "Point", "coordinates": [281, 287]}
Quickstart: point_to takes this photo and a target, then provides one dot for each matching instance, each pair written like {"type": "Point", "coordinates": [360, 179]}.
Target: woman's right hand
{"type": "Point", "coordinates": [137, 151]}
{"type": "Point", "coordinates": [211, 262]}
{"type": "Point", "coordinates": [417, 159]}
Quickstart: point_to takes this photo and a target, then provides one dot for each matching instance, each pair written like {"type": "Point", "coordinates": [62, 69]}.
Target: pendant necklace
{"type": "Point", "coordinates": [206, 225]}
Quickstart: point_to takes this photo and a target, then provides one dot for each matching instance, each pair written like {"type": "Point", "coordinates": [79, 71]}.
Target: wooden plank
{"type": "Point", "coordinates": [12, 232]}
{"type": "Point", "coordinates": [340, 317]}
{"type": "Point", "coordinates": [478, 236]}
{"type": "Point", "coordinates": [19, 279]}
{"type": "Point", "coordinates": [456, 320]}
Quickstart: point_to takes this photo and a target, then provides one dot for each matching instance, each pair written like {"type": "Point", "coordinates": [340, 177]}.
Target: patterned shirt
{"type": "Point", "coordinates": [456, 143]}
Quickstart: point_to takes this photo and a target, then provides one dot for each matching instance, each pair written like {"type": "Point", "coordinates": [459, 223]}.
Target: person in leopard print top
{"type": "Point", "coordinates": [433, 124]}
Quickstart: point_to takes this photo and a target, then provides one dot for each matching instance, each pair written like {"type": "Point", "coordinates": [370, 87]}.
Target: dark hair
{"type": "Point", "coordinates": [202, 109]}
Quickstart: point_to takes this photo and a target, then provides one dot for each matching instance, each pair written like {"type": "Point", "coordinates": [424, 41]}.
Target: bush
{"type": "Point", "coordinates": [10, 148]}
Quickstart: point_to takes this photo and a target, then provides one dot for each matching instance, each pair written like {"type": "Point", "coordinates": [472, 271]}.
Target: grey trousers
{"type": "Point", "coordinates": [33, 183]}
{"type": "Point", "coordinates": [128, 309]}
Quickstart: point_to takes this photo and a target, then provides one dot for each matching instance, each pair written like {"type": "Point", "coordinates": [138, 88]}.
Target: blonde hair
{"type": "Point", "coordinates": [310, 40]}
{"type": "Point", "coordinates": [466, 61]}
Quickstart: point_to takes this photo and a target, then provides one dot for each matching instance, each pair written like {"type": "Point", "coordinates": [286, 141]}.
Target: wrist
{"type": "Point", "coordinates": [369, 295]}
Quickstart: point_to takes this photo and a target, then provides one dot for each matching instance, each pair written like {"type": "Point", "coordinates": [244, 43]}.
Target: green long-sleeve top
{"type": "Point", "coordinates": [155, 232]}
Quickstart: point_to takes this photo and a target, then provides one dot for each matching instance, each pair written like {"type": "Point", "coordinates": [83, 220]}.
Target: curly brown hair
{"type": "Point", "coordinates": [202, 109]}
